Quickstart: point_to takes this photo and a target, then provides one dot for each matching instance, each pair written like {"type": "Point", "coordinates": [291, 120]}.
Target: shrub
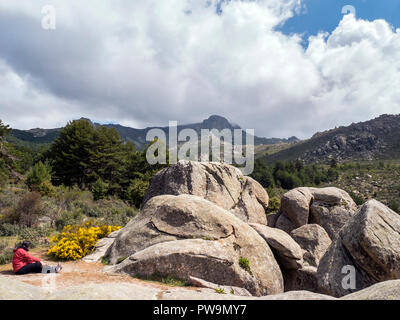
{"type": "Point", "coordinates": [29, 209]}
{"type": "Point", "coordinates": [75, 242]}
{"type": "Point", "coordinates": [273, 205]}
{"type": "Point", "coordinates": [46, 189]}
{"type": "Point", "coordinates": [245, 264]}
{"type": "Point", "coordinates": [4, 173]}
{"type": "Point", "coordinates": [69, 218]}
{"type": "Point", "coordinates": [358, 199]}
{"type": "Point", "coordinates": [116, 217]}
{"type": "Point", "coordinates": [6, 256]}
{"type": "Point", "coordinates": [136, 192]}
{"type": "Point", "coordinates": [105, 260]}
{"type": "Point", "coordinates": [394, 205]}
{"type": "Point", "coordinates": [36, 235]}
{"type": "Point", "coordinates": [8, 198]}
{"type": "Point", "coordinates": [99, 189]}
{"type": "Point", "coordinates": [39, 179]}
{"type": "Point", "coordinates": [6, 253]}
{"type": "Point", "coordinates": [9, 229]}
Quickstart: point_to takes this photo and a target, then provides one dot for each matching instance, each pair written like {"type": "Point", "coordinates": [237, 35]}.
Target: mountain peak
{"type": "Point", "coordinates": [219, 123]}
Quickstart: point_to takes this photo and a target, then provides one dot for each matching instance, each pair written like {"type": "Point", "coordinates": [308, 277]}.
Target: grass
{"type": "Point", "coordinates": [220, 290]}
{"type": "Point", "coordinates": [6, 249]}
{"type": "Point", "coordinates": [121, 259]}
{"type": "Point", "coordinates": [167, 280]}
{"type": "Point", "coordinates": [105, 260]}
{"type": "Point", "coordinates": [245, 264]}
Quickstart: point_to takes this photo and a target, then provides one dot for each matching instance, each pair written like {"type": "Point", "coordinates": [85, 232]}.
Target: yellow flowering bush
{"type": "Point", "coordinates": [75, 242]}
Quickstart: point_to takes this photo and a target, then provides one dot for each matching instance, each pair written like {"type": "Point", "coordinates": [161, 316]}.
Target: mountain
{"type": "Point", "coordinates": [138, 136]}
{"type": "Point", "coordinates": [375, 139]}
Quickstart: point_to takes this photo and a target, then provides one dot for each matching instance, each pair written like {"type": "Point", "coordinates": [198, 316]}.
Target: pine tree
{"type": "Point", "coordinates": [71, 152]}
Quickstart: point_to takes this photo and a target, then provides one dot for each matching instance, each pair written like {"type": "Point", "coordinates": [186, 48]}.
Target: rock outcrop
{"type": "Point", "coordinates": [295, 205]}
{"type": "Point", "coordinates": [387, 290]}
{"type": "Point", "coordinates": [223, 289]}
{"type": "Point", "coordinates": [101, 247]}
{"type": "Point", "coordinates": [12, 289]}
{"type": "Point", "coordinates": [369, 243]}
{"type": "Point", "coordinates": [287, 252]}
{"type": "Point", "coordinates": [329, 207]}
{"type": "Point", "coordinates": [185, 236]}
{"type": "Point", "coordinates": [219, 183]}
{"type": "Point", "coordinates": [301, 279]}
{"type": "Point", "coordinates": [314, 240]}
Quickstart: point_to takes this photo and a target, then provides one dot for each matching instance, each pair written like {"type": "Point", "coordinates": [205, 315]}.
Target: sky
{"type": "Point", "coordinates": [281, 67]}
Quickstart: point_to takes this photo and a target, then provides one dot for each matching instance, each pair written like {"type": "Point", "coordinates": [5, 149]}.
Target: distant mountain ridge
{"type": "Point", "coordinates": [376, 139]}
{"type": "Point", "coordinates": [138, 136]}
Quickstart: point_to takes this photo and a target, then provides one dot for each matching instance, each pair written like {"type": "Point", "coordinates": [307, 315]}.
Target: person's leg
{"type": "Point", "coordinates": [30, 268]}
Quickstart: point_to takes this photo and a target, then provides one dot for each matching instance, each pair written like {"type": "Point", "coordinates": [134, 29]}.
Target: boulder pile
{"type": "Point", "coordinates": [205, 223]}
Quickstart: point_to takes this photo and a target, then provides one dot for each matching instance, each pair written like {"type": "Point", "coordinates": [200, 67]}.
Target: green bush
{"type": "Point", "coordinates": [46, 189]}
{"type": "Point", "coordinates": [4, 173]}
{"type": "Point", "coordinates": [99, 189]}
{"type": "Point", "coordinates": [394, 205]}
{"type": "Point", "coordinates": [6, 256]}
{"type": "Point", "coordinates": [358, 199]}
{"type": "Point", "coordinates": [28, 210]}
{"type": "Point", "coordinates": [136, 192]}
{"type": "Point", "coordinates": [36, 235]}
{"type": "Point", "coordinates": [116, 218]}
{"type": "Point", "coordinates": [8, 198]}
{"type": "Point", "coordinates": [9, 229]}
{"type": "Point", "coordinates": [274, 205]}
{"type": "Point", "coordinates": [245, 264]}
{"type": "Point", "coordinates": [39, 179]}
{"type": "Point", "coordinates": [69, 218]}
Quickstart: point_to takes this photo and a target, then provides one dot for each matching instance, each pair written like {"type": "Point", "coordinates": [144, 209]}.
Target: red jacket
{"type": "Point", "coordinates": [22, 258]}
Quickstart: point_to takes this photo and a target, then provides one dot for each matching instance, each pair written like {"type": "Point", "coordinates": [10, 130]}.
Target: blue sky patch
{"type": "Point", "coordinates": [325, 15]}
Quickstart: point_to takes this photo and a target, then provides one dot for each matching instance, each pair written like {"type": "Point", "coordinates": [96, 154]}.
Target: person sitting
{"type": "Point", "coordinates": [24, 263]}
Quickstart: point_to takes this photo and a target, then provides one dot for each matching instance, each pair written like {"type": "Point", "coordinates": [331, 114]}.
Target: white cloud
{"type": "Point", "coordinates": [146, 62]}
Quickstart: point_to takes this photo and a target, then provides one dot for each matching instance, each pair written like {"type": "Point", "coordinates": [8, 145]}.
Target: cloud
{"type": "Point", "coordinates": [143, 63]}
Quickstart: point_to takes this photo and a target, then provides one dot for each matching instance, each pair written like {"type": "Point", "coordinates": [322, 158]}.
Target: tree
{"type": "Point", "coordinates": [39, 179]}
{"type": "Point", "coordinates": [136, 192]}
{"type": "Point", "coordinates": [106, 157]}
{"type": "Point", "coordinates": [99, 189]}
{"type": "Point", "coordinates": [5, 160]}
{"type": "Point", "coordinates": [4, 131]}
{"type": "Point", "coordinates": [70, 154]}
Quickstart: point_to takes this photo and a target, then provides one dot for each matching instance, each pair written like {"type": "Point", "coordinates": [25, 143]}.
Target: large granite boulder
{"type": "Point", "coordinates": [185, 236]}
{"type": "Point", "coordinates": [220, 183]}
{"type": "Point", "coordinates": [287, 252]}
{"type": "Point", "coordinates": [369, 243]}
{"type": "Point", "coordinates": [314, 240]}
{"type": "Point", "coordinates": [295, 205]}
{"type": "Point", "coordinates": [387, 290]}
{"type": "Point", "coordinates": [301, 279]}
{"type": "Point", "coordinates": [329, 207]}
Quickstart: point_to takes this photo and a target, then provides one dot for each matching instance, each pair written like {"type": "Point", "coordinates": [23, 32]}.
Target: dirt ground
{"type": "Point", "coordinates": [75, 273]}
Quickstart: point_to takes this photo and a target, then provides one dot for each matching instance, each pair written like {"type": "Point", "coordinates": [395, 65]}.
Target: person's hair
{"type": "Point", "coordinates": [24, 245]}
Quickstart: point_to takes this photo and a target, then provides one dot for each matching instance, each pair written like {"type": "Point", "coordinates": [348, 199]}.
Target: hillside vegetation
{"type": "Point", "coordinates": [377, 139]}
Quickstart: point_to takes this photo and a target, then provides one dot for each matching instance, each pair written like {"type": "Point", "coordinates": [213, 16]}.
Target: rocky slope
{"type": "Point", "coordinates": [374, 139]}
